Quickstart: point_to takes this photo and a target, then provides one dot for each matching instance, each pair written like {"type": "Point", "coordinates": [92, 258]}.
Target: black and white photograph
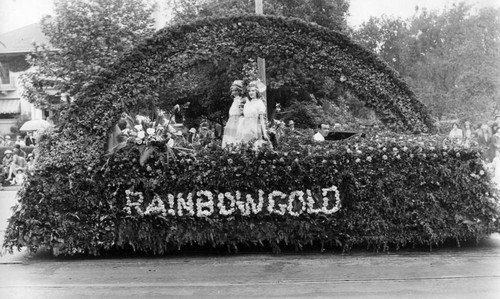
{"type": "Point", "coordinates": [249, 149]}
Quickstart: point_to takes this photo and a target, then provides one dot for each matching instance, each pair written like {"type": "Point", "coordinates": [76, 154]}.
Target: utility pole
{"type": "Point", "coordinates": [261, 62]}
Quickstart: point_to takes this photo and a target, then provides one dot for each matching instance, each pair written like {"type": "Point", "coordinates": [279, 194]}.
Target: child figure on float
{"type": "Point", "coordinates": [230, 135]}
{"type": "Point", "coordinates": [253, 124]}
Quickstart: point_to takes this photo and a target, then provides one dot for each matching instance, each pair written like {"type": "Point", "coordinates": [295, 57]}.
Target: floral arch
{"type": "Point", "coordinates": [134, 81]}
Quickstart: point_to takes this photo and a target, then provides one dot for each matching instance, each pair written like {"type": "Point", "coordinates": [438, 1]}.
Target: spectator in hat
{"type": "Point", "coordinates": [456, 133]}
{"type": "Point", "coordinates": [29, 140]}
{"type": "Point", "coordinates": [19, 178]}
{"type": "Point", "coordinates": [18, 163]}
{"type": "Point", "coordinates": [7, 161]}
{"type": "Point", "coordinates": [30, 163]}
{"type": "Point", "coordinates": [8, 142]}
{"type": "Point", "coordinates": [4, 170]}
{"type": "Point", "coordinates": [17, 150]}
{"type": "Point", "coordinates": [291, 125]}
{"type": "Point", "coordinates": [494, 150]}
{"type": "Point", "coordinates": [19, 141]}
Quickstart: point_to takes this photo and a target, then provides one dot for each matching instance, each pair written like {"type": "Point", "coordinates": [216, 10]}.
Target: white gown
{"type": "Point", "coordinates": [252, 126]}
{"type": "Point", "coordinates": [230, 135]}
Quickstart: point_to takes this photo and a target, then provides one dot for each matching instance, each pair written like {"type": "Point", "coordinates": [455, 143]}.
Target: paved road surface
{"type": "Point", "coordinates": [471, 272]}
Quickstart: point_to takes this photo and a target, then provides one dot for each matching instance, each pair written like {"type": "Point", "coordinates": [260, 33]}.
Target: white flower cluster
{"type": "Point", "coordinates": [477, 176]}
{"type": "Point", "coordinates": [279, 203]}
{"type": "Point", "coordinates": [144, 137]}
{"type": "Point", "coordinates": [156, 207]}
{"type": "Point", "coordinates": [136, 205]}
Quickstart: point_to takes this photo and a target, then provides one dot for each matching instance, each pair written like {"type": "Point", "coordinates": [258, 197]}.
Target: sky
{"type": "Point", "coordinates": [18, 13]}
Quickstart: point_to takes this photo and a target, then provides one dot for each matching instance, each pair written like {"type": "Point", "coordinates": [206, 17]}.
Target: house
{"type": "Point", "coordinates": [14, 46]}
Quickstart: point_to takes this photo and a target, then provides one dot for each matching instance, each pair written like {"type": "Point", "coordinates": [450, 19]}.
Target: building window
{"type": "Point", "coordinates": [4, 74]}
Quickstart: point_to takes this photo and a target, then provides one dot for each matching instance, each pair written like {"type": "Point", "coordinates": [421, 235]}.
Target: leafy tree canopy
{"type": "Point", "coordinates": [86, 37]}
{"type": "Point", "coordinates": [327, 13]}
{"type": "Point", "coordinates": [451, 59]}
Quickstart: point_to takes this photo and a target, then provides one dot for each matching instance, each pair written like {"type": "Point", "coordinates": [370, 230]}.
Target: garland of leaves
{"type": "Point", "coordinates": [135, 81]}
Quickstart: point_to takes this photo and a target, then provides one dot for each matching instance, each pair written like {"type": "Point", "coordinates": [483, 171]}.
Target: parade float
{"type": "Point", "coordinates": [383, 191]}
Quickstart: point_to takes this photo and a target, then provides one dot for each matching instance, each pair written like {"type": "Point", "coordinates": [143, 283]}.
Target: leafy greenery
{"type": "Point", "coordinates": [85, 37]}
{"type": "Point", "coordinates": [305, 53]}
{"type": "Point", "coordinates": [327, 13]}
{"type": "Point", "coordinates": [395, 191]}
{"type": "Point", "coordinates": [450, 58]}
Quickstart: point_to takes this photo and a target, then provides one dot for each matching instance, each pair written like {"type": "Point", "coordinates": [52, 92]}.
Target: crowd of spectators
{"type": "Point", "coordinates": [487, 136]}
{"type": "Point", "coordinates": [15, 161]}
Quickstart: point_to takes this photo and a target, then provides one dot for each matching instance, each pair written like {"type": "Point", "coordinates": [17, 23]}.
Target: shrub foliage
{"type": "Point", "coordinates": [394, 192]}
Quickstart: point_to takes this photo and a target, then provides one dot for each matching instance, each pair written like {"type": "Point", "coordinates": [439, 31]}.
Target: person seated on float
{"type": "Point", "coordinates": [165, 136]}
{"type": "Point", "coordinates": [177, 138]}
{"type": "Point", "coordinates": [206, 135]}
{"type": "Point", "coordinates": [18, 162]}
{"type": "Point", "coordinates": [193, 137]}
{"type": "Point", "coordinates": [323, 131]}
{"type": "Point", "coordinates": [176, 116]}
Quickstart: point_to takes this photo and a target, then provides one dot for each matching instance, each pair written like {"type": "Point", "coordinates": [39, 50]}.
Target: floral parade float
{"type": "Point", "coordinates": [384, 191]}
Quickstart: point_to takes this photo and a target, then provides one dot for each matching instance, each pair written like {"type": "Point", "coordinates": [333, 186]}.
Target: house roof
{"type": "Point", "coordinates": [21, 40]}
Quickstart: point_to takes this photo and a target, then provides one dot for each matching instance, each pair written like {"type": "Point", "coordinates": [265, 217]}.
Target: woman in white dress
{"type": "Point", "coordinates": [253, 125]}
{"type": "Point", "coordinates": [230, 135]}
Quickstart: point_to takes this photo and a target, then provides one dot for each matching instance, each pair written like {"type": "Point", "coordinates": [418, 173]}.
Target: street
{"type": "Point", "coordinates": [449, 272]}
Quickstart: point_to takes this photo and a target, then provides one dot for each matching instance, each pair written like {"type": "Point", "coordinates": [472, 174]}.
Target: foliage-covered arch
{"type": "Point", "coordinates": [287, 44]}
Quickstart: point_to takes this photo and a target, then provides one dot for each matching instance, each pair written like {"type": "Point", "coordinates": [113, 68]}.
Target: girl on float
{"type": "Point", "coordinates": [230, 135]}
{"type": "Point", "coordinates": [253, 125]}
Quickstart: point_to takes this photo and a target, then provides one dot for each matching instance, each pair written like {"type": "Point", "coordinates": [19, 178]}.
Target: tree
{"type": "Point", "coordinates": [327, 13]}
{"type": "Point", "coordinates": [451, 59]}
{"type": "Point", "coordinates": [388, 37]}
{"type": "Point", "coordinates": [458, 63]}
{"type": "Point", "coordinates": [86, 38]}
